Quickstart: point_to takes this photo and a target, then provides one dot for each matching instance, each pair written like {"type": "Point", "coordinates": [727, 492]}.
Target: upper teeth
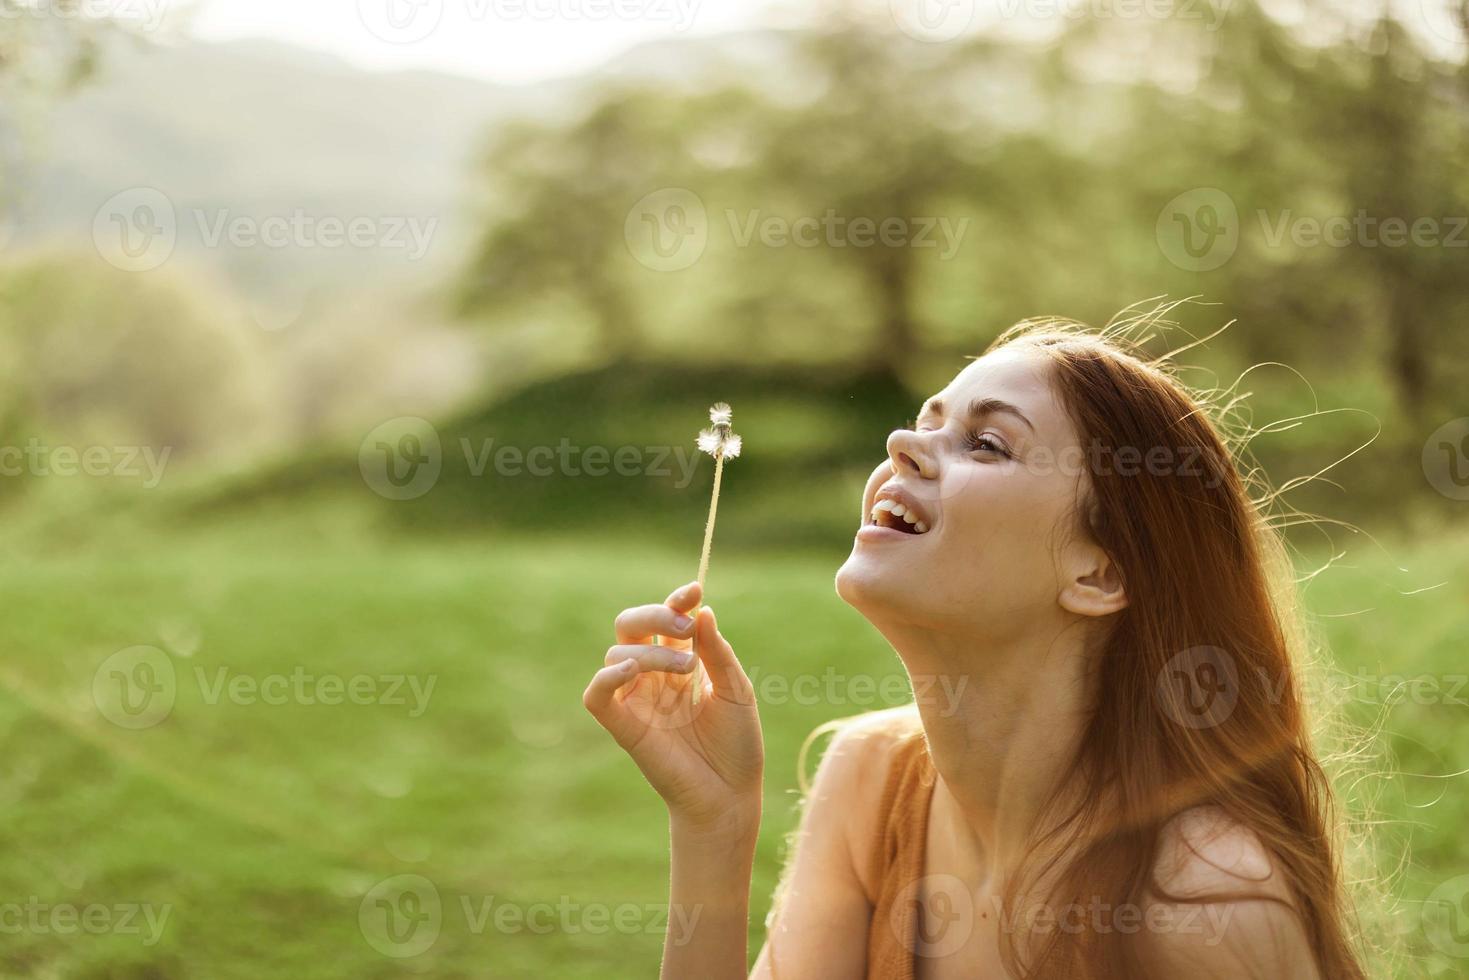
{"type": "Point", "coordinates": [898, 510]}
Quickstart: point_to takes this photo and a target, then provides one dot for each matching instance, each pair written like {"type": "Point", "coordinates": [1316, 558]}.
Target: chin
{"type": "Point", "coordinates": [872, 589]}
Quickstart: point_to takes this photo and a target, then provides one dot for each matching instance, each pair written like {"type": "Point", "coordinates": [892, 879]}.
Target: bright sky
{"type": "Point", "coordinates": [502, 40]}
{"type": "Point", "coordinates": [530, 40]}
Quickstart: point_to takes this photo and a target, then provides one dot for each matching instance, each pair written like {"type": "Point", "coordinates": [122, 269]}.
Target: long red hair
{"type": "Point", "coordinates": [1210, 598]}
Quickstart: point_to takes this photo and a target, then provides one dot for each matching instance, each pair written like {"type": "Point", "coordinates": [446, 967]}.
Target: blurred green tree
{"type": "Point", "coordinates": [98, 356]}
{"type": "Point", "coordinates": [558, 197]}
{"type": "Point", "coordinates": [1061, 156]}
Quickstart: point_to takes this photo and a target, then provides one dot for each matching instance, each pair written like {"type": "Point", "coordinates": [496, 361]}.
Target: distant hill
{"type": "Point", "coordinates": [261, 129]}
{"type": "Point", "coordinates": [258, 129]}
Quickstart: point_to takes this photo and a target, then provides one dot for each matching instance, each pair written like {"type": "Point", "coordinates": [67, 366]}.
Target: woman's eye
{"type": "Point", "coordinates": [980, 441]}
{"type": "Point", "coordinates": [972, 441]}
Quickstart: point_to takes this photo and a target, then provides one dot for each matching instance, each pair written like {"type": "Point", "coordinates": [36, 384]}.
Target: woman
{"type": "Point", "coordinates": [1120, 783]}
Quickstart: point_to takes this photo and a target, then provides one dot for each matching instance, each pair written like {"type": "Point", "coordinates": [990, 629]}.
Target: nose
{"type": "Point", "coordinates": [911, 454]}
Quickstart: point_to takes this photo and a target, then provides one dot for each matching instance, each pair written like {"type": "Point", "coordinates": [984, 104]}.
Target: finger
{"type": "Point", "coordinates": [600, 697]}
{"type": "Point", "coordinates": [641, 623]}
{"type": "Point", "coordinates": [719, 660]}
{"type": "Point", "coordinates": [685, 598]}
{"type": "Point", "coordinates": [651, 657]}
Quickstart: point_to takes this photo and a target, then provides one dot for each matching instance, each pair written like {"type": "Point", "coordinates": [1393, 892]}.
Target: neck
{"type": "Point", "coordinates": [1003, 722]}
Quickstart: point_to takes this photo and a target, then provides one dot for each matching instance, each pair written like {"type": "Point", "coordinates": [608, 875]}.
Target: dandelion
{"type": "Point", "coordinates": [719, 441]}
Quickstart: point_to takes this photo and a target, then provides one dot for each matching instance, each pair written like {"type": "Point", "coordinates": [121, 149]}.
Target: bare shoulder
{"type": "Point", "coordinates": [853, 771]}
{"type": "Point", "coordinates": [1205, 851]}
{"type": "Point", "coordinates": [859, 758]}
{"type": "Point", "coordinates": [1221, 905]}
{"type": "Point", "coordinates": [876, 731]}
{"type": "Point", "coordinates": [823, 906]}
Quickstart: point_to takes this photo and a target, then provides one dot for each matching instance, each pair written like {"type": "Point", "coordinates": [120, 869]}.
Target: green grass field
{"type": "Point", "coordinates": [260, 827]}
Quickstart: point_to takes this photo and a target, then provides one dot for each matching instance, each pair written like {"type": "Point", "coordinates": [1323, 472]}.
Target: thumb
{"type": "Point", "coordinates": [720, 662]}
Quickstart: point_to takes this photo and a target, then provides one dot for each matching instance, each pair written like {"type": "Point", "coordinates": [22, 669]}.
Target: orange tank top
{"type": "Point", "coordinates": [897, 861]}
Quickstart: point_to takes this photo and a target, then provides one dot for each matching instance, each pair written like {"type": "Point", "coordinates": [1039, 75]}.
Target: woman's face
{"type": "Point", "coordinates": [983, 477]}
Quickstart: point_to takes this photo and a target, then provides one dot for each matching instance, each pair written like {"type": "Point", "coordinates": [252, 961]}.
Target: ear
{"type": "Point", "coordinates": [1093, 586]}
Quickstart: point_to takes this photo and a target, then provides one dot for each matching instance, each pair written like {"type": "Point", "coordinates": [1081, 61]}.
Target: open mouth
{"type": "Point", "coordinates": [890, 513]}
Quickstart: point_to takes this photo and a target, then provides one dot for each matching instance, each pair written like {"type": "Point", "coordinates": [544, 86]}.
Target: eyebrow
{"type": "Point", "coordinates": [978, 408]}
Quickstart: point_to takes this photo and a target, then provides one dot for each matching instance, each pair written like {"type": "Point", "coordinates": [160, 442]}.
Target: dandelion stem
{"type": "Point", "coordinates": [720, 442]}
{"type": "Point", "coordinates": [698, 676]}
{"type": "Point", "coordinates": [709, 527]}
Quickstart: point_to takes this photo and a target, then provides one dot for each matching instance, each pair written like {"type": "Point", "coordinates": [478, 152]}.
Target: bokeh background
{"type": "Point", "coordinates": [353, 355]}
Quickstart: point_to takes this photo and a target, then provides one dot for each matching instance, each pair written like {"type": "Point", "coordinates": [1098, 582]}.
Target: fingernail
{"type": "Point", "coordinates": [629, 665]}
{"type": "Point", "coordinates": [682, 622]}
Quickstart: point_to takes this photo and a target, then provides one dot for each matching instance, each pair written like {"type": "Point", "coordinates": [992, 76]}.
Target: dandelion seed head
{"type": "Point", "coordinates": [720, 440]}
